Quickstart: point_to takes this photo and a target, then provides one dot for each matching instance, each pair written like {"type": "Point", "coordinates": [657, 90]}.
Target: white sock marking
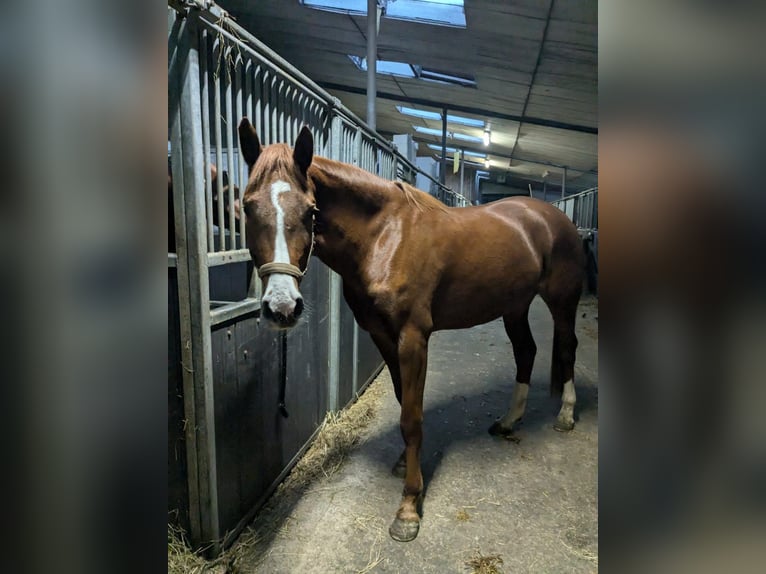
{"type": "Point", "coordinates": [281, 292]}
{"type": "Point", "coordinates": [568, 399]}
{"type": "Point", "coordinates": [518, 405]}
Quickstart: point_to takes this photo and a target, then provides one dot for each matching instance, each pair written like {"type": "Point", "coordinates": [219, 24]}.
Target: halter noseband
{"type": "Point", "coordinates": [276, 267]}
{"type": "Point", "coordinates": [288, 268]}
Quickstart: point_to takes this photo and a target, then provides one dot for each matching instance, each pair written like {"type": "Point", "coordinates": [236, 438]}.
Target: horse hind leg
{"type": "Point", "coordinates": [564, 311]}
{"type": "Point", "coordinates": [524, 351]}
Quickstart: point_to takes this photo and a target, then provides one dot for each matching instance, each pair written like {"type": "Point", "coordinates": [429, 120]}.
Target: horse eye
{"type": "Point", "coordinates": [249, 207]}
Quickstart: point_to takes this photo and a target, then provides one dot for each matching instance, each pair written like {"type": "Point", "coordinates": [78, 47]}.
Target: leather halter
{"type": "Point", "coordinates": [288, 268]}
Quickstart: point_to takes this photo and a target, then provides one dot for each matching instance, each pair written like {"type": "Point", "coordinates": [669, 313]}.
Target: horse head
{"type": "Point", "coordinates": [279, 211]}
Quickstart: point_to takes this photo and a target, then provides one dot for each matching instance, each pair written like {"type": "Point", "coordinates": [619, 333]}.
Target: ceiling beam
{"type": "Point", "coordinates": [463, 109]}
{"type": "Point", "coordinates": [534, 75]}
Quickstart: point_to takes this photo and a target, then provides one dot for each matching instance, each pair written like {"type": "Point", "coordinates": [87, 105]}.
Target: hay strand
{"type": "Point", "coordinates": [480, 564]}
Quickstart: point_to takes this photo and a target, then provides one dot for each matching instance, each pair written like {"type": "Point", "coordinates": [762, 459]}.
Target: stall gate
{"type": "Point", "coordinates": [229, 444]}
{"type": "Point", "coordinates": [581, 208]}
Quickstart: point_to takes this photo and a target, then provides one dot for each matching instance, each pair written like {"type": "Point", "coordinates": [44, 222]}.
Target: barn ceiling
{"type": "Point", "coordinates": [534, 63]}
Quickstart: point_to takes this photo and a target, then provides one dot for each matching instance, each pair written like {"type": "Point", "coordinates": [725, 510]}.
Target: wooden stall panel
{"type": "Point", "coordinates": [306, 366]}
{"type": "Point", "coordinates": [246, 363]}
{"type": "Point", "coordinates": [178, 487]}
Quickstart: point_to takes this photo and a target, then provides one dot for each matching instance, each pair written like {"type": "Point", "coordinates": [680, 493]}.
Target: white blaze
{"type": "Point", "coordinates": [282, 292]}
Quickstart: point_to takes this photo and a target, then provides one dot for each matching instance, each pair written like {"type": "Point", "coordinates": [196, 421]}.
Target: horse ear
{"type": "Point", "coordinates": [249, 143]}
{"type": "Point", "coordinates": [304, 149]}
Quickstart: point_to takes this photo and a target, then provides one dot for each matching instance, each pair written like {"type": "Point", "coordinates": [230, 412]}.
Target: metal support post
{"type": "Point", "coordinates": [443, 171]}
{"type": "Point", "coordinates": [372, 59]}
{"type": "Point", "coordinates": [333, 383]}
{"type": "Point", "coordinates": [564, 183]}
{"type": "Point", "coordinates": [193, 288]}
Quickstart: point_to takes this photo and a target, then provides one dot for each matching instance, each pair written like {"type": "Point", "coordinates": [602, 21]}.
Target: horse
{"type": "Point", "coordinates": [411, 266]}
{"type": "Point", "coordinates": [226, 188]}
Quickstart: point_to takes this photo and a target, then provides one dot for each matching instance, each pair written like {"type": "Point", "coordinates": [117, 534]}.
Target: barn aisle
{"type": "Point", "coordinates": [533, 503]}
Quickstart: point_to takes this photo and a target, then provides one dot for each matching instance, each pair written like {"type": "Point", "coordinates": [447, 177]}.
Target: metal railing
{"type": "Point", "coordinates": [240, 76]}
{"type": "Point", "coordinates": [581, 208]}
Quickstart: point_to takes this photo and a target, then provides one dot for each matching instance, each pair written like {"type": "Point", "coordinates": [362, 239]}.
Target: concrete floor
{"type": "Point", "coordinates": [534, 503]}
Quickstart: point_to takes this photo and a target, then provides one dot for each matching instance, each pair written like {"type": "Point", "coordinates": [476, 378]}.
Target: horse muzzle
{"type": "Point", "coordinates": [285, 315]}
{"type": "Point", "coordinates": [282, 303]}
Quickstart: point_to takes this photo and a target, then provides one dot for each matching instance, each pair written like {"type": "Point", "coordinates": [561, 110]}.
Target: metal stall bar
{"type": "Point", "coordinates": [217, 56]}
{"type": "Point", "coordinates": [205, 85]}
{"type": "Point", "coordinates": [188, 166]}
{"type": "Point", "coordinates": [217, 20]}
{"type": "Point", "coordinates": [243, 104]}
{"type": "Point", "coordinates": [333, 383]}
{"type": "Point", "coordinates": [231, 73]}
{"type": "Point", "coordinates": [581, 207]}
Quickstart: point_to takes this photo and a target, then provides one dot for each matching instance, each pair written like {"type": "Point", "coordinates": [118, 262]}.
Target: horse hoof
{"type": "Point", "coordinates": [400, 469]}
{"type": "Point", "coordinates": [498, 430]}
{"type": "Point", "coordinates": [404, 530]}
{"type": "Point", "coordinates": [563, 426]}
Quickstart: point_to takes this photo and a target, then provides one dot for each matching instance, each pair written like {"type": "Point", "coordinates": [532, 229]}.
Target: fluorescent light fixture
{"type": "Point", "coordinates": [429, 131]}
{"type": "Point", "coordinates": [464, 121]}
{"type": "Point", "coordinates": [451, 135]}
{"type": "Point", "coordinates": [437, 12]}
{"type": "Point", "coordinates": [437, 117]}
{"type": "Point", "coordinates": [444, 78]}
{"type": "Point", "coordinates": [486, 137]}
{"type": "Point", "coordinates": [466, 137]}
{"type": "Point", "coordinates": [487, 163]}
{"type": "Point", "coordinates": [439, 148]}
{"type": "Point", "coordinates": [453, 150]}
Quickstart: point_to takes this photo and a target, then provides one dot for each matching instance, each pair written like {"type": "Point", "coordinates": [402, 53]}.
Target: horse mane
{"type": "Point", "coordinates": [375, 187]}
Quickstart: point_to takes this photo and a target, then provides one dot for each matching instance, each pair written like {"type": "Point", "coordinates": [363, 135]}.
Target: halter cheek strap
{"type": "Point", "coordinates": [288, 268]}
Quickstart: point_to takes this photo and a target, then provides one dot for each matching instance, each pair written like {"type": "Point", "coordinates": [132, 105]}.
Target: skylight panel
{"type": "Point", "coordinates": [343, 6]}
{"type": "Point", "coordinates": [412, 71]}
{"type": "Point", "coordinates": [436, 12]}
{"type": "Point", "coordinates": [386, 67]}
{"type": "Point", "coordinates": [439, 12]}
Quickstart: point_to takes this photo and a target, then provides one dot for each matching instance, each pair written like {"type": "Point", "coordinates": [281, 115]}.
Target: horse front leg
{"type": "Point", "coordinates": [388, 349]}
{"type": "Point", "coordinates": [413, 353]}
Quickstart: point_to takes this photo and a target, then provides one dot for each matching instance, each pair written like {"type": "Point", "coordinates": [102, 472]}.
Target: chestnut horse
{"type": "Point", "coordinates": [411, 266]}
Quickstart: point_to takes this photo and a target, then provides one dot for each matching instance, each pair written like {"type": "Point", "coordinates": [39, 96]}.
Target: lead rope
{"type": "Point", "coordinates": [283, 376]}
{"type": "Point", "coordinates": [289, 269]}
